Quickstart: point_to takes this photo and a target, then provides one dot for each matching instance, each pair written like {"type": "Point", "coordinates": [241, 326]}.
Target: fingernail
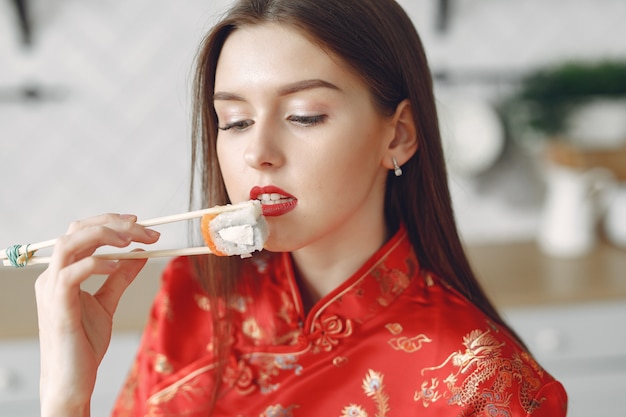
{"type": "Point", "coordinates": [128, 217]}
{"type": "Point", "coordinates": [152, 233]}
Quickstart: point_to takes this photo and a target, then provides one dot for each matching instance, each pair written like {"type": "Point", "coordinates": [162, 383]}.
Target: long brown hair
{"type": "Point", "coordinates": [378, 41]}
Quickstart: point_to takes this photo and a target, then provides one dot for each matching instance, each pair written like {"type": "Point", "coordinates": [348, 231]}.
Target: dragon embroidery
{"type": "Point", "coordinates": [480, 376]}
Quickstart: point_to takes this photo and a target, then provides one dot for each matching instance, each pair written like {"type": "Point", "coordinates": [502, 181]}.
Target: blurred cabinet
{"type": "Point", "coordinates": [19, 376]}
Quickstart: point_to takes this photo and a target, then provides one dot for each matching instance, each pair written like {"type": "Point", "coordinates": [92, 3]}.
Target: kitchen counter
{"type": "Point", "coordinates": [520, 275]}
{"type": "Point", "coordinates": [515, 275]}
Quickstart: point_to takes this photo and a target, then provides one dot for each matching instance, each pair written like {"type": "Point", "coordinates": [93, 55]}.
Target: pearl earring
{"type": "Point", "coordinates": [396, 168]}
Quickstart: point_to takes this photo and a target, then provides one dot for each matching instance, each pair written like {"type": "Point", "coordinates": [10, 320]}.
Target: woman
{"type": "Point", "coordinates": [363, 303]}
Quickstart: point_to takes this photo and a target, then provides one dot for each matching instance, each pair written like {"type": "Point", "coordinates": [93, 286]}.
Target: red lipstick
{"type": "Point", "coordinates": [274, 201]}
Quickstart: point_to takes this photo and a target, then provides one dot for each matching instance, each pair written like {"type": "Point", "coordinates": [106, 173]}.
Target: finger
{"type": "Point", "coordinates": [84, 242]}
{"type": "Point", "coordinates": [120, 222]}
{"type": "Point", "coordinates": [111, 291]}
{"type": "Point", "coordinates": [69, 278]}
{"type": "Point", "coordinates": [76, 246]}
{"type": "Point", "coordinates": [100, 220]}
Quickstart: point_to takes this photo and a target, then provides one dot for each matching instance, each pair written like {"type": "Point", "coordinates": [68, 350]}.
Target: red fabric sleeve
{"type": "Point", "coordinates": [552, 399]}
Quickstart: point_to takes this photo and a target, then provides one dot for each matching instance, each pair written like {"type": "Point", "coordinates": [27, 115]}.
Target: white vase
{"type": "Point", "coordinates": [615, 218]}
{"type": "Point", "coordinates": [572, 207]}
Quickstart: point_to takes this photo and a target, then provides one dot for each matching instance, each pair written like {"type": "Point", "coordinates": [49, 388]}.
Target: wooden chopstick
{"type": "Point", "coordinates": [32, 248]}
{"type": "Point", "coordinates": [161, 253]}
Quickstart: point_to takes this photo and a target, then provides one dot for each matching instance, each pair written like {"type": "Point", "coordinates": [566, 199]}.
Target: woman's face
{"type": "Point", "coordinates": [299, 131]}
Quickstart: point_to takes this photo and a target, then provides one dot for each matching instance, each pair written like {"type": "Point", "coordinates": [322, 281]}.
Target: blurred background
{"type": "Point", "coordinates": [94, 117]}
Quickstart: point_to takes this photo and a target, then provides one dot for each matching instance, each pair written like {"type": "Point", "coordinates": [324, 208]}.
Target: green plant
{"type": "Point", "coordinates": [550, 94]}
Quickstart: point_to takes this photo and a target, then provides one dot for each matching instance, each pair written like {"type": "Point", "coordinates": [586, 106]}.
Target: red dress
{"type": "Point", "coordinates": [392, 340]}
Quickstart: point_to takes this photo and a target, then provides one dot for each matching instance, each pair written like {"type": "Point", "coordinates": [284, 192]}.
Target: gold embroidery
{"type": "Point", "coordinates": [327, 332]}
{"type": "Point", "coordinates": [392, 282]}
{"type": "Point", "coordinates": [268, 367]}
{"type": "Point", "coordinates": [404, 343]}
{"type": "Point", "coordinates": [192, 389]}
{"type": "Point", "coordinates": [251, 329]}
{"type": "Point", "coordinates": [240, 303]}
{"type": "Point", "coordinates": [240, 377]}
{"type": "Point", "coordinates": [428, 394]}
{"type": "Point", "coordinates": [354, 410]}
{"type": "Point", "coordinates": [166, 308]}
{"type": "Point", "coordinates": [162, 365]}
{"type": "Point", "coordinates": [278, 411]}
{"type": "Point", "coordinates": [203, 302]}
{"type": "Point", "coordinates": [287, 307]}
{"type": "Point", "coordinates": [340, 361]}
{"type": "Point", "coordinates": [479, 363]}
{"type": "Point", "coordinates": [373, 387]}
{"type": "Point", "coordinates": [409, 345]}
{"type": "Point", "coordinates": [394, 328]}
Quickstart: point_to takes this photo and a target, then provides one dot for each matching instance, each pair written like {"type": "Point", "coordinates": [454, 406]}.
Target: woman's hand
{"type": "Point", "coordinates": [75, 326]}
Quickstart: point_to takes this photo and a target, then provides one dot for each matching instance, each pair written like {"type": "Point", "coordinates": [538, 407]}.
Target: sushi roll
{"type": "Point", "coordinates": [235, 232]}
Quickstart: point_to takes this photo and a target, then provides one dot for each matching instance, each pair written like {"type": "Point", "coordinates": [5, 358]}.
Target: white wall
{"type": "Point", "coordinates": [112, 131]}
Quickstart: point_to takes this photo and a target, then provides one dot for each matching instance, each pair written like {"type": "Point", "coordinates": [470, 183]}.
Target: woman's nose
{"type": "Point", "coordinates": [263, 150]}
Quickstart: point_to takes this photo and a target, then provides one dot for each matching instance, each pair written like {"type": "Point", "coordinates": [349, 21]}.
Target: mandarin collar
{"type": "Point", "coordinates": [372, 288]}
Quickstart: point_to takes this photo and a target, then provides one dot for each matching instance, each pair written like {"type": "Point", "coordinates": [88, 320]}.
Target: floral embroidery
{"type": "Point", "coordinates": [162, 365]}
{"type": "Point", "coordinates": [240, 303]}
{"type": "Point", "coordinates": [354, 410]}
{"type": "Point", "coordinates": [203, 302]}
{"type": "Point", "coordinates": [251, 329]}
{"type": "Point", "coordinates": [481, 363]}
{"type": "Point", "coordinates": [328, 331]}
{"type": "Point", "coordinates": [287, 362]}
{"type": "Point", "coordinates": [278, 411]}
{"type": "Point", "coordinates": [373, 387]}
{"type": "Point", "coordinates": [268, 367]}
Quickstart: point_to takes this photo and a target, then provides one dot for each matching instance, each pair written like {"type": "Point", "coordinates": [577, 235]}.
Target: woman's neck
{"type": "Point", "coordinates": [323, 267]}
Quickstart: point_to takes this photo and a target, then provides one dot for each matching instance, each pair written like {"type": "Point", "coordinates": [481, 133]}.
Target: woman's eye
{"type": "Point", "coordinates": [238, 125]}
{"type": "Point", "coordinates": [307, 120]}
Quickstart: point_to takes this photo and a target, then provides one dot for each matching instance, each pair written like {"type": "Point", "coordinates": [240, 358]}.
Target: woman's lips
{"type": "Point", "coordinates": [274, 201]}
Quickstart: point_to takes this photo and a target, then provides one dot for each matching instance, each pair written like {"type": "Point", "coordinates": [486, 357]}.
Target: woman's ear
{"type": "Point", "coordinates": [404, 142]}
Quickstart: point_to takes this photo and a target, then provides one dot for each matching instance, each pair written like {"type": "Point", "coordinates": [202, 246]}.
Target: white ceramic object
{"type": "Point", "coordinates": [472, 134]}
{"type": "Point", "coordinates": [615, 218]}
{"type": "Point", "coordinates": [574, 201]}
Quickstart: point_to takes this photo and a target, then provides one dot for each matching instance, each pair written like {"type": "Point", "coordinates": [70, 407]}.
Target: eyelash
{"type": "Point", "coordinates": [308, 121]}
{"type": "Point", "coordinates": [305, 121]}
{"type": "Point", "coordinates": [238, 125]}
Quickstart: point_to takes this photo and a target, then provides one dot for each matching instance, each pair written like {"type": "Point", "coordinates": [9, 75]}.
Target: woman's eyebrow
{"type": "Point", "coordinates": [282, 91]}
{"type": "Point", "coordinates": [306, 85]}
{"type": "Point", "coordinates": [220, 95]}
